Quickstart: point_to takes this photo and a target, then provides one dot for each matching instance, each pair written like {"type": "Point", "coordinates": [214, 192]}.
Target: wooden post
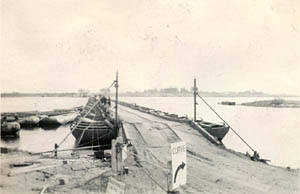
{"type": "Point", "coordinates": [117, 163]}
{"type": "Point", "coordinates": [195, 99]}
{"type": "Point", "coordinates": [120, 163]}
{"type": "Point", "coordinates": [113, 156]}
{"type": "Point", "coordinates": [55, 150]}
{"type": "Point", "coordinates": [116, 111]}
{"type": "Point", "coordinates": [169, 177]}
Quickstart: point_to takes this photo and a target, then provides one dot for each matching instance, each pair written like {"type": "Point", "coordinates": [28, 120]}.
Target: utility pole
{"type": "Point", "coordinates": [195, 99]}
{"type": "Point", "coordinates": [116, 112]}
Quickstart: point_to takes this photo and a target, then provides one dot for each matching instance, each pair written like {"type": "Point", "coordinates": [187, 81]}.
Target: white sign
{"type": "Point", "coordinates": [115, 187]}
{"type": "Point", "coordinates": [179, 172]}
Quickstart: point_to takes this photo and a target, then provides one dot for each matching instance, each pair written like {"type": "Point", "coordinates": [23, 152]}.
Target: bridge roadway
{"type": "Point", "coordinates": [210, 168]}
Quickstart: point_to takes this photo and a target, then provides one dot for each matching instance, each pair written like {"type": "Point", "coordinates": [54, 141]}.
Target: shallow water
{"type": "Point", "coordinates": [273, 132]}
{"type": "Point", "coordinates": [39, 103]}
{"type": "Point", "coordinates": [40, 139]}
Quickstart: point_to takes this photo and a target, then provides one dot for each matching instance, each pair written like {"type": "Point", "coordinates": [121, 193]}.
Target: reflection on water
{"type": "Point", "coordinates": [273, 132]}
{"type": "Point", "coordinates": [43, 138]}
{"type": "Point", "coordinates": [38, 140]}
{"type": "Point", "coordinates": [11, 139]}
{"type": "Point", "coordinates": [30, 128]}
{"type": "Point", "coordinates": [50, 127]}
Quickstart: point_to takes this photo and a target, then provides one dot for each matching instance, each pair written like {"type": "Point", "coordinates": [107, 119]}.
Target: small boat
{"type": "Point", "coordinates": [217, 130]}
{"type": "Point", "coordinates": [59, 119]}
{"type": "Point", "coordinates": [228, 103]}
{"type": "Point", "coordinates": [10, 128]}
{"type": "Point", "coordinates": [30, 121]}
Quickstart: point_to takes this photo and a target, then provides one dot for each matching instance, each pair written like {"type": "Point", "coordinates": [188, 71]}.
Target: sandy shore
{"type": "Point", "coordinates": [211, 169]}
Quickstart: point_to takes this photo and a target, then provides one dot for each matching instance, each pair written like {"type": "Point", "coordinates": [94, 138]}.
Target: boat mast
{"type": "Point", "coordinates": [116, 112]}
{"type": "Point", "coordinates": [195, 99]}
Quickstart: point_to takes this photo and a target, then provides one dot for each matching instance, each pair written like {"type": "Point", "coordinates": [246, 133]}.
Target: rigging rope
{"type": "Point", "coordinates": [83, 132]}
{"type": "Point", "coordinates": [77, 125]}
{"type": "Point", "coordinates": [55, 149]}
{"type": "Point", "coordinates": [87, 143]}
{"type": "Point", "coordinates": [225, 122]}
{"type": "Point", "coordinates": [112, 84]}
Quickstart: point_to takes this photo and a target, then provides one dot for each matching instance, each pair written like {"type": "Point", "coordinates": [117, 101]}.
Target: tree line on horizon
{"type": "Point", "coordinates": [169, 91]}
{"type": "Point", "coordinates": [174, 91]}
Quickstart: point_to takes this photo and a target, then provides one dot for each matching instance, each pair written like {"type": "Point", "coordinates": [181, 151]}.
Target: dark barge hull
{"type": "Point", "coordinates": [10, 129]}
{"type": "Point", "coordinates": [228, 103]}
{"type": "Point", "coordinates": [93, 134]}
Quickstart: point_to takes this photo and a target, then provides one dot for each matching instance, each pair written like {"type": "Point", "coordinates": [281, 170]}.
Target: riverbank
{"type": "Point", "coordinates": [67, 173]}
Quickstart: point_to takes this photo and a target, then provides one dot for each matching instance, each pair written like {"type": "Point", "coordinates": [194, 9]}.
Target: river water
{"type": "Point", "coordinates": [39, 139]}
{"type": "Point", "coordinates": [273, 132]}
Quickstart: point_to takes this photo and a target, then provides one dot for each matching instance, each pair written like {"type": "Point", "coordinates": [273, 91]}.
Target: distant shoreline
{"type": "Point", "coordinates": [77, 95]}
{"type": "Point", "coordinates": [162, 96]}
{"type": "Point", "coordinates": [16, 95]}
{"type": "Point", "coordinates": [275, 103]}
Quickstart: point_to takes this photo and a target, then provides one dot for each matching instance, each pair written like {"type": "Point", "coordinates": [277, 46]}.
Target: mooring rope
{"type": "Point", "coordinates": [225, 122]}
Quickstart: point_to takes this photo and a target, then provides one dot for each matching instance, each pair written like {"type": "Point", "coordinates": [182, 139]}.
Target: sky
{"type": "Point", "coordinates": [227, 45]}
